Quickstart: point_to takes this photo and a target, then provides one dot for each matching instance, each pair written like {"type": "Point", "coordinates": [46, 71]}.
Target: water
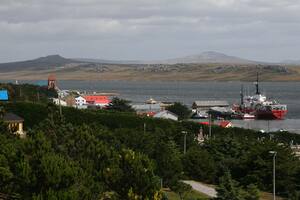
{"type": "Point", "coordinates": [188, 92]}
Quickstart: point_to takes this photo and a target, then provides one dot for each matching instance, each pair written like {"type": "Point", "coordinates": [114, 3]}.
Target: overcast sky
{"type": "Point", "coordinates": [266, 30]}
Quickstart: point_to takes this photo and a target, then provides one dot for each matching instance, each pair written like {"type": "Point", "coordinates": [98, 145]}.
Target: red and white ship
{"type": "Point", "coordinates": [259, 106]}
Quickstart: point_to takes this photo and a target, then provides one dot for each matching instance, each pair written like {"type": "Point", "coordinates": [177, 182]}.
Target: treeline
{"type": "Point", "coordinates": [109, 155]}
{"type": "Point", "coordinates": [28, 92]}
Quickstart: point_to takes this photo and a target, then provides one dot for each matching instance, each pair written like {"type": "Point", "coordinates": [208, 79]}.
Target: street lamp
{"type": "Point", "coordinates": [184, 141]}
{"type": "Point", "coordinates": [274, 153]}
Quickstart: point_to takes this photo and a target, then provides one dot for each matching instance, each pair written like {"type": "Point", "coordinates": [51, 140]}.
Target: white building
{"type": "Point", "coordinates": [80, 101]}
{"type": "Point", "coordinates": [56, 101]}
{"type": "Point", "coordinates": [166, 115]}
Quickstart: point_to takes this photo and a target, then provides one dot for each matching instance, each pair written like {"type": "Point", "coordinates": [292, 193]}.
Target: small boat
{"type": "Point", "coordinates": [151, 101]}
{"type": "Point", "coordinates": [248, 116]}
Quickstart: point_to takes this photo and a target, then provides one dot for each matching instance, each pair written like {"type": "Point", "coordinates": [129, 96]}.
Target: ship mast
{"type": "Point", "coordinates": [242, 94]}
{"type": "Point", "coordinates": [256, 85]}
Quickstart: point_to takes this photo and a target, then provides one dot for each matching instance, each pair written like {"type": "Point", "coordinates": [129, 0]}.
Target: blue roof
{"type": "Point", "coordinates": [3, 95]}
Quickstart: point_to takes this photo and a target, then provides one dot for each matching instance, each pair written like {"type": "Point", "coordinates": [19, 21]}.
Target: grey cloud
{"type": "Point", "coordinates": [150, 29]}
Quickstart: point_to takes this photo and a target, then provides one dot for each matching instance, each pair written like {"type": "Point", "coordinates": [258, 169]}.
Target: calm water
{"type": "Point", "coordinates": [187, 92]}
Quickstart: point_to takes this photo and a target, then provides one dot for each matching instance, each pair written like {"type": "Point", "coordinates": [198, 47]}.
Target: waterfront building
{"type": "Point", "coordinates": [98, 100]}
{"type": "Point", "coordinates": [80, 101]}
{"type": "Point", "coordinates": [206, 105]}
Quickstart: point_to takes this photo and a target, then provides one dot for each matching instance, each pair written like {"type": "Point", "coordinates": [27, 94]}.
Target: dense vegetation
{"type": "Point", "coordinates": [110, 155]}
{"type": "Point", "coordinates": [28, 92]}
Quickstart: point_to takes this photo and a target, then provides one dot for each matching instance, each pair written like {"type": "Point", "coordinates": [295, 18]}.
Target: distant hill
{"type": "Point", "coordinates": [41, 63]}
{"type": "Point", "coordinates": [104, 61]}
{"type": "Point", "coordinates": [205, 57]}
{"type": "Point", "coordinates": [209, 57]}
{"type": "Point", "coordinates": [291, 62]}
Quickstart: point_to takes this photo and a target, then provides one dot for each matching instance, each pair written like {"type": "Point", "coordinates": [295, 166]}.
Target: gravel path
{"type": "Point", "coordinates": [209, 191]}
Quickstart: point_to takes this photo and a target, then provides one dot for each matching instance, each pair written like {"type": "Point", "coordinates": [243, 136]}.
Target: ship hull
{"type": "Point", "coordinates": [271, 114]}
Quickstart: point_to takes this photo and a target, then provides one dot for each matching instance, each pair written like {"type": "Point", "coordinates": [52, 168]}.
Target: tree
{"type": "Point", "coordinates": [132, 176]}
{"type": "Point", "coordinates": [120, 105]}
{"type": "Point", "coordinates": [228, 188]}
{"type": "Point", "coordinates": [182, 189]}
{"type": "Point", "coordinates": [199, 164]}
{"type": "Point", "coordinates": [179, 109]}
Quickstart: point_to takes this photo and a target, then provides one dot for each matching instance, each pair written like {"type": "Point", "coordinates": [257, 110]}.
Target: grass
{"type": "Point", "coordinates": [268, 196]}
{"type": "Point", "coordinates": [191, 195]}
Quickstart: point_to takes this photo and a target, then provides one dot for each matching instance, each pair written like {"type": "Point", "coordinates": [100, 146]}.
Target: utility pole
{"type": "Point", "coordinates": [184, 142]}
{"type": "Point", "coordinates": [209, 125]}
{"type": "Point", "coordinates": [274, 153]}
{"type": "Point", "coordinates": [60, 110]}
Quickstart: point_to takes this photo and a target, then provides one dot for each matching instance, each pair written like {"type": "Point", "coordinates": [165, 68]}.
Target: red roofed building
{"type": "Point", "coordinates": [97, 100]}
{"type": "Point", "coordinates": [223, 124]}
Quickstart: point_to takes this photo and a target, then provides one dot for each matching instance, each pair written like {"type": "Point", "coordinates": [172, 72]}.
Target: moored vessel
{"type": "Point", "coordinates": [259, 106]}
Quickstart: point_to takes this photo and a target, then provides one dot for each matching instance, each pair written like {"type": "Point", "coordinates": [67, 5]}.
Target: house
{"type": "Point", "coordinates": [98, 100]}
{"type": "Point", "coordinates": [166, 115]}
{"type": "Point", "coordinates": [80, 101]}
{"type": "Point", "coordinates": [206, 105]}
{"type": "Point", "coordinates": [15, 123]}
{"type": "Point", "coordinates": [57, 101]}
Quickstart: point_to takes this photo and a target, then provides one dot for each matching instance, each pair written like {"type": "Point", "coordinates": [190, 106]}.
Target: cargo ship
{"type": "Point", "coordinates": [259, 106]}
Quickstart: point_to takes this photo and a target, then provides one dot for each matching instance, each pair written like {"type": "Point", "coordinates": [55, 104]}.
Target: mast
{"type": "Point", "coordinates": [242, 94]}
{"type": "Point", "coordinates": [256, 85]}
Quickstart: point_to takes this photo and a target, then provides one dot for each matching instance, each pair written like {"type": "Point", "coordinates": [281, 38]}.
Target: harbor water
{"type": "Point", "coordinates": [188, 92]}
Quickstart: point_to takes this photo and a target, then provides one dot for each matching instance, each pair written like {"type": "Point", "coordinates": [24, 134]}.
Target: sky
{"type": "Point", "coordinates": [264, 30]}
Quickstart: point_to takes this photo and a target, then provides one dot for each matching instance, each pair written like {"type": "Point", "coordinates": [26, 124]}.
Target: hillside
{"type": "Point", "coordinates": [41, 63]}
{"type": "Point", "coordinates": [89, 69]}
{"type": "Point", "coordinates": [209, 57]}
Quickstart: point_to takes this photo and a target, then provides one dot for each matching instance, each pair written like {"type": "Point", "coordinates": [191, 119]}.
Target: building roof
{"type": "Point", "coordinates": [211, 103]}
{"type": "Point", "coordinates": [97, 99]}
{"type": "Point", "coordinates": [162, 113]}
{"type": "Point", "coordinates": [3, 95]}
{"type": "Point", "coordinates": [146, 107]}
{"type": "Point", "coordinates": [51, 77]}
{"type": "Point", "coordinates": [10, 117]}
{"type": "Point", "coordinates": [80, 97]}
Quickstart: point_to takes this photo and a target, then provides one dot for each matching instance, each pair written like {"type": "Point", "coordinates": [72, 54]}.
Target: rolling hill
{"type": "Point", "coordinates": [203, 67]}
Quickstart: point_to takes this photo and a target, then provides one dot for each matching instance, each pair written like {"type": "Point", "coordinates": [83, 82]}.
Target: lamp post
{"type": "Point", "coordinates": [184, 141]}
{"type": "Point", "coordinates": [209, 121]}
{"type": "Point", "coordinates": [274, 153]}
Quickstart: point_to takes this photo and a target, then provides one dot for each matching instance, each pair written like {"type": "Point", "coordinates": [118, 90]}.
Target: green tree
{"type": "Point", "coordinates": [199, 164]}
{"type": "Point", "coordinates": [132, 176]}
{"type": "Point", "coordinates": [179, 109]}
{"type": "Point", "coordinates": [182, 189]}
{"type": "Point", "coordinates": [120, 105]}
{"type": "Point", "coordinates": [228, 188]}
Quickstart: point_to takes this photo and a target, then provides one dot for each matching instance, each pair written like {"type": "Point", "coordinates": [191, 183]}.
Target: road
{"type": "Point", "coordinates": [209, 191]}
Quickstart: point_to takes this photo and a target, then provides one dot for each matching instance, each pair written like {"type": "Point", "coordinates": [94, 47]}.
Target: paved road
{"type": "Point", "coordinates": [209, 191]}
